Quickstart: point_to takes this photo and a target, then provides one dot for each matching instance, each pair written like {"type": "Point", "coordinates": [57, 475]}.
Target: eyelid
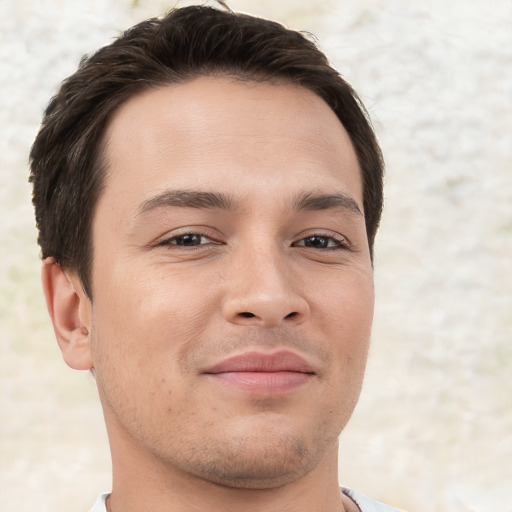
{"type": "Point", "coordinates": [170, 240]}
{"type": "Point", "coordinates": [342, 242]}
{"type": "Point", "coordinates": [203, 232]}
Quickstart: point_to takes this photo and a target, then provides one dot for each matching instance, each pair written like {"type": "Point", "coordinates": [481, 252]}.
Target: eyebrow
{"type": "Point", "coordinates": [189, 199]}
{"type": "Point", "coordinates": [311, 202]}
{"type": "Point", "coordinates": [307, 201]}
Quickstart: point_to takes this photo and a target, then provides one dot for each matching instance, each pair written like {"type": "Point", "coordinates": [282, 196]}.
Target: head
{"type": "Point", "coordinates": [207, 190]}
{"type": "Point", "coordinates": [67, 164]}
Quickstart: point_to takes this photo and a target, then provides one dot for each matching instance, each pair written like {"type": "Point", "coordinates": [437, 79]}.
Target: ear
{"type": "Point", "coordinates": [71, 314]}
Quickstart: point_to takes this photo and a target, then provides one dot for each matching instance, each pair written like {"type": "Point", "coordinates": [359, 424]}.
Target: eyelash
{"type": "Point", "coordinates": [169, 241]}
{"type": "Point", "coordinates": [337, 244]}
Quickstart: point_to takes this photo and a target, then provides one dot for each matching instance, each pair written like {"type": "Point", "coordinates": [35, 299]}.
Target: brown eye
{"type": "Point", "coordinates": [188, 240]}
{"type": "Point", "coordinates": [320, 242]}
{"type": "Point", "coordinates": [317, 242]}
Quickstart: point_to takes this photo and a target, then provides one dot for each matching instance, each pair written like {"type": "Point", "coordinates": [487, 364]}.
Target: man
{"type": "Point", "coordinates": [207, 192]}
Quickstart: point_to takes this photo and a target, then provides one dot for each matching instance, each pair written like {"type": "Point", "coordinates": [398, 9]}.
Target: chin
{"type": "Point", "coordinates": [257, 462]}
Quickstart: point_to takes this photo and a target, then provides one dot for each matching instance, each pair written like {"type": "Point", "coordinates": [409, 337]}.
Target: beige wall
{"type": "Point", "coordinates": [433, 431]}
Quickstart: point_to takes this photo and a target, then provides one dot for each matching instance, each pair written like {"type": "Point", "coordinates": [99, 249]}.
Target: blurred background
{"type": "Point", "coordinates": [433, 429]}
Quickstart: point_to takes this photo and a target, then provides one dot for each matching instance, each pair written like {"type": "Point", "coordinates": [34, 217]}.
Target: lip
{"type": "Point", "coordinates": [263, 373]}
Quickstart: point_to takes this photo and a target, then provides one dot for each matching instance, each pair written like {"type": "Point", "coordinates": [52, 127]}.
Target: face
{"type": "Point", "coordinates": [232, 282]}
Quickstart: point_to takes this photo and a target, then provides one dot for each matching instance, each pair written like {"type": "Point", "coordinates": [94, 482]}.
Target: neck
{"type": "Point", "coordinates": [143, 482]}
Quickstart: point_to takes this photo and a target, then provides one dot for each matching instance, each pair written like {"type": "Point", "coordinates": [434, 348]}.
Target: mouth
{"type": "Point", "coordinates": [261, 373]}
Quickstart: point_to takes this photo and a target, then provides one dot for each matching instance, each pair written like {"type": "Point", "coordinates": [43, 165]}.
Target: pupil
{"type": "Point", "coordinates": [189, 240]}
{"type": "Point", "coordinates": [316, 241]}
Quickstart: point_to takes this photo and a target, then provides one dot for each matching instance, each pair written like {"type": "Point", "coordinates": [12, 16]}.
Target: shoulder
{"type": "Point", "coordinates": [366, 504]}
{"type": "Point", "coordinates": [100, 506]}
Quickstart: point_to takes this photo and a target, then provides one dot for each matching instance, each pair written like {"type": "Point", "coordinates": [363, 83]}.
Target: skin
{"type": "Point", "coordinates": [261, 273]}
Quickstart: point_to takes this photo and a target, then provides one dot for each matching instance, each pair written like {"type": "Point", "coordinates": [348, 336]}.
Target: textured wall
{"type": "Point", "coordinates": [433, 430]}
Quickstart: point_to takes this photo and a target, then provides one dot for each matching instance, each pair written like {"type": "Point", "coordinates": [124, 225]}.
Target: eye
{"type": "Point", "coordinates": [321, 242]}
{"type": "Point", "coordinates": [188, 240]}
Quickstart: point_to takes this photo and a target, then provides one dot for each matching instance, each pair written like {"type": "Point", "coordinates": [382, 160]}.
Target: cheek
{"type": "Point", "coordinates": [148, 318]}
{"type": "Point", "coordinates": [346, 319]}
{"type": "Point", "coordinates": [347, 303]}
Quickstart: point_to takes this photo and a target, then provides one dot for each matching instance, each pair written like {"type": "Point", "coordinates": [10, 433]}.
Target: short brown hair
{"type": "Point", "coordinates": [67, 165]}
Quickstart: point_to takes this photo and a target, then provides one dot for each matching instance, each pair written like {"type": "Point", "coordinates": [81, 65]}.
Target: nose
{"type": "Point", "coordinates": [263, 291]}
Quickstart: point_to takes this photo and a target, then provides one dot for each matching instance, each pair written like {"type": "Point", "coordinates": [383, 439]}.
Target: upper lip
{"type": "Point", "coordinates": [254, 361]}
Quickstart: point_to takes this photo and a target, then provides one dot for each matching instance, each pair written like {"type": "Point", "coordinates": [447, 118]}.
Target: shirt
{"type": "Point", "coordinates": [364, 503]}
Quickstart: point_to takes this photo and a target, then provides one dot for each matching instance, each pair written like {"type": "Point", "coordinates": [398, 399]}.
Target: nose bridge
{"type": "Point", "coordinates": [262, 287]}
{"type": "Point", "coordinates": [267, 273]}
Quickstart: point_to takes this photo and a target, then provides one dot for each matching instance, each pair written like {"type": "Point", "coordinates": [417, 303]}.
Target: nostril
{"type": "Point", "coordinates": [246, 314]}
{"type": "Point", "coordinates": [291, 315]}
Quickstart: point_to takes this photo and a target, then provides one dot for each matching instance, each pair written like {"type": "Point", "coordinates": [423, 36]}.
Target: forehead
{"type": "Point", "coordinates": [229, 135]}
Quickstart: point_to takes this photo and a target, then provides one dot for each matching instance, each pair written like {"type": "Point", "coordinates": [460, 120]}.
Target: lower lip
{"type": "Point", "coordinates": [268, 383]}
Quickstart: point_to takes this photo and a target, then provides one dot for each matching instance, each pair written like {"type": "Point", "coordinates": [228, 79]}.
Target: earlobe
{"type": "Point", "coordinates": [69, 309]}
